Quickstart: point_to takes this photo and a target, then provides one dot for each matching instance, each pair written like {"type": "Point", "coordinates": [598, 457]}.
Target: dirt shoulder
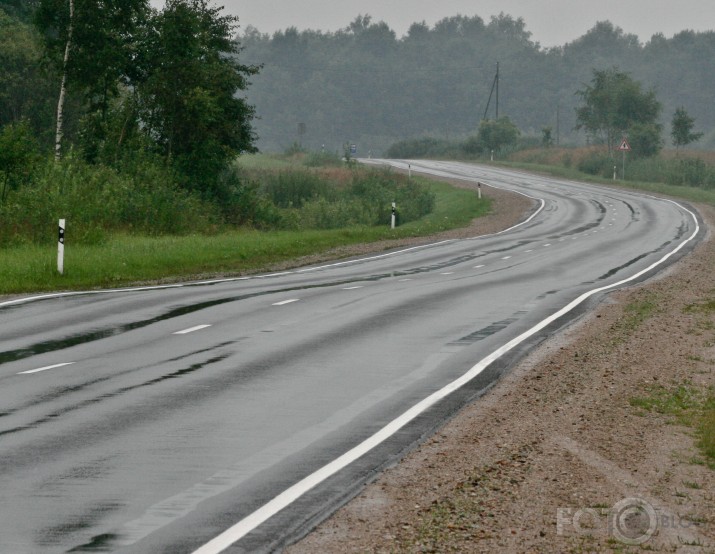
{"type": "Point", "coordinates": [541, 462]}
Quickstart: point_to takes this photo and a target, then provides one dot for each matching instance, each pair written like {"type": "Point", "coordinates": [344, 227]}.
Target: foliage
{"type": "Point", "coordinates": [19, 152]}
{"type": "Point", "coordinates": [187, 80]}
{"type": "Point", "coordinates": [645, 139]}
{"type": "Point", "coordinates": [421, 148]}
{"type": "Point", "coordinates": [96, 200]}
{"type": "Point", "coordinates": [596, 163]}
{"type": "Point", "coordinates": [435, 81]}
{"type": "Point", "coordinates": [682, 128]}
{"type": "Point", "coordinates": [25, 89]}
{"type": "Point", "coordinates": [292, 189]}
{"type": "Point", "coordinates": [323, 159]}
{"type": "Point", "coordinates": [494, 135]}
{"type": "Point", "coordinates": [613, 104]}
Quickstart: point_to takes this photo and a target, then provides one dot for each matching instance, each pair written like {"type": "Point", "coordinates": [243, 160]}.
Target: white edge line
{"type": "Point", "coordinates": [28, 372]}
{"type": "Point", "coordinates": [290, 495]}
{"type": "Point", "coordinates": [191, 330]}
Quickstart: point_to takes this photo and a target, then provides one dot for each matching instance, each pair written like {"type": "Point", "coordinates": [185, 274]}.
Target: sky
{"type": "Point", "coordinates": [551, 22]}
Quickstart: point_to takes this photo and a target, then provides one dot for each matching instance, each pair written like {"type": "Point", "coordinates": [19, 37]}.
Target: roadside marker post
{"type": "Point", "coordinates": [394, 212]}
{"type": "Point", "coordinates": [61, 248]}
{"type": "Point", "coordinates": [479, 191]}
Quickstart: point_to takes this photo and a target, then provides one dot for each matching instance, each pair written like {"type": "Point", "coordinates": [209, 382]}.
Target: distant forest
{"type": "Point", "coordinates": [364, 85]}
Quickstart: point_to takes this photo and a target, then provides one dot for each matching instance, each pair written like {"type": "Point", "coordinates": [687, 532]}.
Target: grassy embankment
{"type": "Point", "coordinates": [122, 258]}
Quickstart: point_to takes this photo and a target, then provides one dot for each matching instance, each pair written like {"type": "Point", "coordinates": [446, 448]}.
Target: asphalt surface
{"type": "Point", "coordinates": [155, 420]}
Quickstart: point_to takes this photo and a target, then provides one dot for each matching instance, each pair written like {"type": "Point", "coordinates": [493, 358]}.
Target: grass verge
{"type": "Point", "coordinates": [691, 194]}
{"type": "Point", "coordinates": [125, 259]}
{"type": "Point", "coordinates": [688, 406]}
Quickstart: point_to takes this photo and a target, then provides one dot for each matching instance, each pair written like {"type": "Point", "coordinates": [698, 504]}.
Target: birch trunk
{"type": "Point", "coordinates": [63, 87]}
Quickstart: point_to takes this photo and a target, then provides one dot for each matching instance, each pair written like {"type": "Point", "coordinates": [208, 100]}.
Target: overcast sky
{"type": "Point", "coordinates": [551, 22]}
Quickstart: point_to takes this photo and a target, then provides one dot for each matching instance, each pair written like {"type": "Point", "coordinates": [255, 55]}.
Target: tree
{"type": "Point", "coordinates": [613, 104]}
{"type": "Point", "coordinates": [547, 139]}
{"type": "Point", "coordinates": [18, 154]}
{"type": "Point", "coordinates": [496, 134]}
{"type": "Point", "coordinates": [646, 139]}
{"type": "Point", "coordinates": [91, 42]}
{"type": "Point", "coordinates": [682, 129]}
{"type": "Point", "coordinates": [186, 87]}
{"type": "Point", "coordinates": [24, 87]}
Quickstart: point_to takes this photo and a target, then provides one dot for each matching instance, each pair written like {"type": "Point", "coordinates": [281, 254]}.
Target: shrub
{"type": "Point", "coordinates": [97, 199]}
{"type": "Point", "coordinates": [291, 189]}
{"type": "Point", "coordinates": [323, 159]}
{"type": "Point", "coordinates": [597, 163]}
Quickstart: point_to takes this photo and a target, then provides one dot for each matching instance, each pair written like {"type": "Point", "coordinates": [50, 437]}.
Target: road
{"type": "Point", "coordinates": [233, 415]}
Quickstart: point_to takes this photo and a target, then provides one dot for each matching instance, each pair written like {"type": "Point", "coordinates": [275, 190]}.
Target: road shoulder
{"type": "Point", "coordinates": [540, 462]}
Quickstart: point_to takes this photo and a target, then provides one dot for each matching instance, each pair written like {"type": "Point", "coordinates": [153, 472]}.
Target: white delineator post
{"type": "Point", "coordinates": [392, 226]}
{"type": "Point", "coordinates": [61, 248]}
{"type": "Point", "coordinates": [479, 191]}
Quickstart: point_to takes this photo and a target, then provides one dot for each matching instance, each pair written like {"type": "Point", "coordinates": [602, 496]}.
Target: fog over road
{"type": "Point", "coordinates": [234, 414]}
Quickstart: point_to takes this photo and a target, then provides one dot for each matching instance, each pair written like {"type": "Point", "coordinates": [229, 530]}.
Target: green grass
{"type": "Point", "coordinates": [691, 194]}
{"type": "Point", "coordinates": [688, 406]}
{"type": "Point", "coordinates": [125, 259]}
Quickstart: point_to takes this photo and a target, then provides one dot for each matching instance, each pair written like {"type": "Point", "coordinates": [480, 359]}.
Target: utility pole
{"type": "Point", "coordinates": [497, 81]}
{"type": "Point", "coordinates": [495, 86]}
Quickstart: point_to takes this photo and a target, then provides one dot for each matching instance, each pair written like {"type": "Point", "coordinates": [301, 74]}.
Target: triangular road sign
{"type": "Point", "coordinates": [624, 145]}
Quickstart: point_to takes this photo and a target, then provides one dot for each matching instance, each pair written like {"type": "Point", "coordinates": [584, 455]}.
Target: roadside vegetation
{"type": "Point", "coordinates": [278, 210]}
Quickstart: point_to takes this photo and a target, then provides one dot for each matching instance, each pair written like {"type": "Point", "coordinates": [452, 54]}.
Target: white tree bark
{"type": "Point", "coordinates": [63, 87]}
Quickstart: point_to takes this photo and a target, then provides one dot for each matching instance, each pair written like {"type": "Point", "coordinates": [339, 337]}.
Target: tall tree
{"type": "Point", "coordinates": [682, 129]}
{"type": "Point", "coordinates": [187, 85]}
{"type": "Point", "coordinates": [92, 43]}
{"type": "Point", "coordinates": [612, 104]}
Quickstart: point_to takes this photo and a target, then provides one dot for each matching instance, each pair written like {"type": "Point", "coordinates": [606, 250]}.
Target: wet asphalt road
{"type": "Point", "coordinates": [154, 420]}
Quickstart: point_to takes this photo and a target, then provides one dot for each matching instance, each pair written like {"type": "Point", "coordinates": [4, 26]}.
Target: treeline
{"type": "Point", "coordinates": [120, 117]}
{"type": "Point", "coordinates": [365, 85]}
{"type": "Point", "coordinates": [121, 84]}
{"type": "Point", "coordinates": [125, 119]}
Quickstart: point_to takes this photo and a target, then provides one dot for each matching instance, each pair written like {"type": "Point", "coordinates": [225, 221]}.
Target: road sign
{"type": "Point", "coordinates": [353, 149]}
{"type": "Point", "coordinates": [625, 147]}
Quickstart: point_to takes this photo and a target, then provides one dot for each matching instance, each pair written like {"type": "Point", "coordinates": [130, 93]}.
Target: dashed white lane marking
{"type": "Point", "coordinates": [29, 371]}
{"type": "Point", "coordinates": [478, 266]}
{"type": "Point", "coordinates": [191, 330]}
{"type": "Point", "coordinates": [527, 251]}
{"type": "Point", "coordinates": [287, 302]}
{"type": "Point", "coordinates": [549, 244]}
{"type": "Point", "coordinates": [403, 280]}
{"type": "Point", "coordinates": [447, 273]}
{"type": "Point", "coordinates": [292, 493]}
{"type": "Point", "coordinates": [352, 288]}
{"type": "Point", "coordinates": [506, 257]}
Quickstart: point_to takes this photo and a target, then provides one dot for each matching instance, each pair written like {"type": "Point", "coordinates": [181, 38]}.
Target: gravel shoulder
{"type": "Point", "coordinates": [541, 463]}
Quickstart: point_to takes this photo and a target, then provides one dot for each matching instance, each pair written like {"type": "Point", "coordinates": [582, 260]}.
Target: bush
{"type": "Point", "coordinates": [97, 199]}
{"type": "Point", "coordinates": [291, 189]}
{"type": "Point", "coordinates": [597, 163]}
{"type": "Point", "coordinates": [323, 159]}
{"type": "Point", "coordinates": [421, 148]}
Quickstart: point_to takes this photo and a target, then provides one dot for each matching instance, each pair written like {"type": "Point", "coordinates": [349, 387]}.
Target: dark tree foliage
{"type": "Point", "coordinates": [613, 104]}
{"type": "Point", "coordinates": [103, 48]}
{"type": "Point", "coordinates": [435, 80]}
{"type": "Point", "coordinates": [25, 88]}
{"type": "Point", "coordinates": [682, 128]}
{"type": "Point", "coordinates": [187, 80]}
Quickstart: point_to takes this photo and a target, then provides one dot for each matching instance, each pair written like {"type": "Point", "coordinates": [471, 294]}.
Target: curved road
{"type": "Point", "coordinates": [233, 415]}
